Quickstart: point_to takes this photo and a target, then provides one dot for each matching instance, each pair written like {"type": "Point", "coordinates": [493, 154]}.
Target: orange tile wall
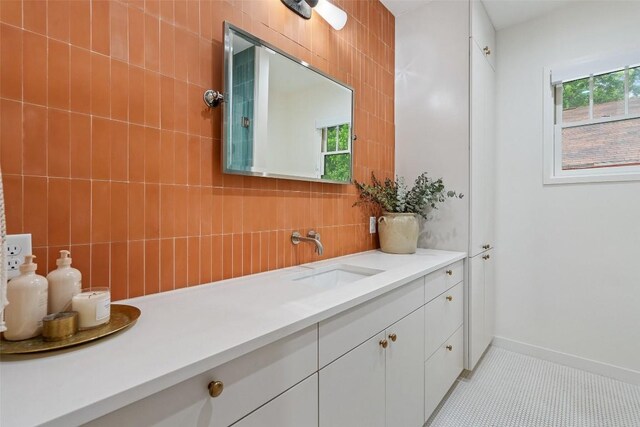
{"type": "Point", "coordinates": [107, 149]}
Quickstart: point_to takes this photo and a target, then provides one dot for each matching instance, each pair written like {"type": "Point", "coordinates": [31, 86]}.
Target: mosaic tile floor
{"type": "Point", "coordinates": [509, 389]}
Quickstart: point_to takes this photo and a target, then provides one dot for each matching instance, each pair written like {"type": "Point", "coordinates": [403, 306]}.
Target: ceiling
{"type": "Point", "coordinates": [503, 13]}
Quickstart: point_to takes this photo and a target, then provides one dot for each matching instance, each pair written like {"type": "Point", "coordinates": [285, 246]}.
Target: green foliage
{"type": "Point", "coordinates": [606, 88]}
{"type": "Point", "coordinates": [395, 196]}
{"type": "Point", "coordinates": [337, 167]}
{"type": "Point", "coordinates": [343, 137]}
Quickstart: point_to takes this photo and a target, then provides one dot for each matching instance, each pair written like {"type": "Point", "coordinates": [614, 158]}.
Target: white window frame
{"type": "Point", "coordinates": [324, 153]}
{"type": "Point", "coordinates": [553, 172]}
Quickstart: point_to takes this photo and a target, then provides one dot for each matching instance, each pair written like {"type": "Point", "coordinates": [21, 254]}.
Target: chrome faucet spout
{"type": "Point", "coordinates": [312, 237]}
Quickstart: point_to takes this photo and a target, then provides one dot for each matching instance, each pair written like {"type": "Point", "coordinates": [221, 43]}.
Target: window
{"type": "Point", "coordinates": [336, 152]}
{"type": "Point", "coordinates": [593, 123]}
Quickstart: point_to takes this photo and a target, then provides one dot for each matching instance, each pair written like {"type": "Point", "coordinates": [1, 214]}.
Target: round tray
{"type": "Point", "coordinates": [122, 316]}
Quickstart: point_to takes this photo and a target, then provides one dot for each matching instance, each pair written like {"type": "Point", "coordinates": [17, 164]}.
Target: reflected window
{"type": "Point", "coordinates": [336, 152]}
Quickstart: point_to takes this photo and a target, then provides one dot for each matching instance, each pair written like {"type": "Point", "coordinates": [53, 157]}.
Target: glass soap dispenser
{"type": "Point", "coordinates": [27, 295]}
{"type": "Point", "coordinates": [64, 283]}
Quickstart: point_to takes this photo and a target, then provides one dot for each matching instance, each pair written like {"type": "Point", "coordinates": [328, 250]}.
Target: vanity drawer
{"type": "Point", "coordinates": [249, 381]}
{"type": "Point", "coordinates": [347, 330]}
{"type": "Point", "coordinates": [443, 279]}
{"type": "Point", "coordinates": [441, 370]}
{"type": "Point", "coordinates": [443, 315]}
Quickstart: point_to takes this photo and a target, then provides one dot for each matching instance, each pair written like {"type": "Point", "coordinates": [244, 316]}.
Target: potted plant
{"type": "Point", "coordinates": [398, 225]}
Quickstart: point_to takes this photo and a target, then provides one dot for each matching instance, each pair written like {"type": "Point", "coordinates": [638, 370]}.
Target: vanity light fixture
{"type": "Point", "coordinates": [335, 16]}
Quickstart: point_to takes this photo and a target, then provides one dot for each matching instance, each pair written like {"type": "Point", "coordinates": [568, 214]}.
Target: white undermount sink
{"type": "Point", "coordinates": [334, 275]}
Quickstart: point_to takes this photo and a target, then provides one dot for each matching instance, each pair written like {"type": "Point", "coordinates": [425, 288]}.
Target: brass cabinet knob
{"type": "Point", "coordinates": [486, 246]}
{"type": "Point", "coordinates": [486, 50]}
{"type": "Point", "coordinates": [449, 272]}
{"type": "Point", "coordinates": [449, 347]}
{"type": "Point", "coordinates": [215, 388]}
{"type": "Point", "coordinates": [485, 257]}
{"type": "Point", "coordinates": [449, 298]}
{"type": "Point", "coordinates": [393, 337]}
{"type": "Point", "coordinates": [384, 343]}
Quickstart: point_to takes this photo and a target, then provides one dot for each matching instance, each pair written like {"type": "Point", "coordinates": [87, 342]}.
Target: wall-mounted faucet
{"type": "Point", "coordinates": [312, 237]}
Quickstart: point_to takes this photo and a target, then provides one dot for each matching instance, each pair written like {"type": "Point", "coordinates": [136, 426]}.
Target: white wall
{"type": "Point", "coordinates": [432, 111]}
{"type": "Point", "coordinates": [568, 271]}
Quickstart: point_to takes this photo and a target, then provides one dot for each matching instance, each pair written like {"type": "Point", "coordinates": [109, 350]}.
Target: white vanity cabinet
{"type": "Point", "coordinates": [248, 382]}
{"type": "Point", "coordinates": [378, 383]}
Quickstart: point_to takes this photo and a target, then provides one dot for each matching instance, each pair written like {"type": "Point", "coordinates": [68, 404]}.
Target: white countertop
{"type": "Point", "coordinates": [185, 332]}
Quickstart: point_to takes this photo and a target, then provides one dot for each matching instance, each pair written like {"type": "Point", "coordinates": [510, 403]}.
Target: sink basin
{"type": "Point", "coordinates": [334, 275]}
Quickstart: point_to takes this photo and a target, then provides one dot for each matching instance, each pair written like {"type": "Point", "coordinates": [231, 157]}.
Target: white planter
{"type": "Point", "coordinates": [398, 232]}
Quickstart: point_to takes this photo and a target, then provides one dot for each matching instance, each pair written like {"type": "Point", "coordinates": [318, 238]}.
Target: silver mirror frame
{"type": "Point", "coordinates": [226, 105]}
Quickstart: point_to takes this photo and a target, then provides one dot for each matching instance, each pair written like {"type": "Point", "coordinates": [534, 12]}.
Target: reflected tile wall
{"type": "Point", "coordinates": [106, 148]}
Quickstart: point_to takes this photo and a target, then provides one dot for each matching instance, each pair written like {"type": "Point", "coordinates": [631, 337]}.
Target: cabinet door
{"type": "Point", "coordinates": [482, 152]}
{"type": "Point", "coordinates": [405, 371]}
{"type": "Point", "coordinates": [482, 31]}
{"type": "Point", "coordinates": [296, 407]}
{"type": "Point", "coordinates": [489, 298]}
{"type": "Point", "coordinates": [352, 388]}
{"type": "Point", "coordinates": [476, 303]}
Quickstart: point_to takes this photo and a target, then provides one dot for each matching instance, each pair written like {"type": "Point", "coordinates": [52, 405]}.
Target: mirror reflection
{"type": "Point", "coordinates": [283, 118]}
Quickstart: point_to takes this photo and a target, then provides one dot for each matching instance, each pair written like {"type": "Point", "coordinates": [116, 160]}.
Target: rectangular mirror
{"type": "Point", "coordinates": [283, 118]}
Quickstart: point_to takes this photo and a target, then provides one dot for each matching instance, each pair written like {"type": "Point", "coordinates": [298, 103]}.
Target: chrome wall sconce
{"type": "Point", "coordinates": [335, 16]}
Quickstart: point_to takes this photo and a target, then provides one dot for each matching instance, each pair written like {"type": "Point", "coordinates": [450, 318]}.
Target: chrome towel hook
{"type": "Point", "coordinates": [212, 98]}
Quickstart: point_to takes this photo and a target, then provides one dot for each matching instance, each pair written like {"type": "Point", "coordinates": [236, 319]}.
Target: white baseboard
{"type": "Point", "coordinates": [599, 368]}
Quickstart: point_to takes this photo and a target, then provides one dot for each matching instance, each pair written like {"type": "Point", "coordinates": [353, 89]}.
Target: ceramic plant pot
{"type": "Point", "coordinates": [398, 232]}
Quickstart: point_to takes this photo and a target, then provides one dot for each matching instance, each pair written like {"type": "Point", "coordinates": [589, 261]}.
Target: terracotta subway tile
{"type": "Point", "coordinates": [166, 102]}
{"type": "Point", "coordinates": [100, 211]}
{"type": "Point", "coordinates": [151, 211]}
{"type": "Point", "coordinates": [247, 253]}
{"type": "Point", "coordinates": [167, 211]}
{"type": "Point", "coordinates": [227, 256]}
{"type": "Point", "coordinates": [205, 259]}
{"type": "Point", "coordinates": [119, 90]}
{"type": "Point", "coordinates": [119, 40]}
{"type": "Point", "coordinates": [42, 257]}
{"type": "Point", "coordinates": [11, 71]}
{"type": "Point", "coordinates": [194, 210]}
{"type": "Point", "coordinates": [181, 218]}
{"type": "Point", "coordinates": [136, 268]}
{"type": "Point", "coordinates": [167, 161]}
{"type": "Point", "coordinates": [80, 30]}
{"type": "Point", "coordinates": [206, 207]}
{"type": "Point", "coordinates": [136, 153]}
{"type": "Point", "coordinates": [194, 160]}
{"type": "Point", "coordinates": [166, 265]}
{"type": "Point", "coordinates": [167, 48]}
{"type": "Point", "coordinates": [136, 211]}
{"type": "Point", "coordinates": [80, 80]}
{"type": "Point", "coordinates": [151, 155]}
{"type": "Point", "coordinates": [80, 211]}
{"type": "Point", "coordinates": [151, 43]}
{"type": "Point", "coordinates": [180, 13]}
{"type": "Point", "coordinates": [193, 261]}
{"type": "Point", "coordinates": [151, 101]}
{"type": "Point", "coordinates": [34, 16]}
{"type": "Point", "coordinates": [193, 17]}
{"type": "Point", "coordinates": [136, 95]}
{"type": "Point", "coordinates": [34, 143]}
{"type": "Point", "coordinates": [58, 62]}
{"type": "Point", "coordinates": [152, 7]}
{"type": "Point", "coordinates": [119, 212]}
{"type": "Point", "coordinates": [11, 136]}
{"type": "Point", "coordinates": [166, 11]}
{"type": "Point", "coordinates": [192, 47]}
{"type": "Point", "coordinates": [136, 37]}
{"type": "Point", "coordinates": [100, 31]}
{"type": "Point", "coordinates": [59, 211]}
{"type": "Point", "coordinates": [34, 53]}
{"type": "Point", "coordinates": [216, 258]}
{"type": "Point", "coordinates": [181, 112]}
{"type": "Point", "coordinates": [181, 54]}
{"type": "Point", "coordinates": [35, 204]}
{"type": "Point", "coordinates": [58, 14]}
{"type": "Point", "coordinates": [264, 251]}
{"type": "Point", "coordinates": [119, 270]}
{"type": "Point", "coordinates": [100, 148]}
{"type": "Point", "coordinates": [11, 12]}
{"type": "Point", "coordinates": [59, 156]}
{"type": "Point", "coordinates": [152, 267]}
{"type": "Point", "coordinates": [181, 158]}
{"type": "Point", "coordinates": [180, 266]}
{"type": "Point", "coordinates": [100, 85]}
{"type": "Point", "coordinates": [12, 186]}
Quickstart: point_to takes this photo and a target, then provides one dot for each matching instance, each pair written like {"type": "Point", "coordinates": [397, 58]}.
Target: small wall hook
{"type": "Point", "coordinates": [212, 98]}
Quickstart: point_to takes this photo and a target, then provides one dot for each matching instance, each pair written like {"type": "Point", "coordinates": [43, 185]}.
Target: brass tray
{"type": "Point", "coordinates": [122, 316]}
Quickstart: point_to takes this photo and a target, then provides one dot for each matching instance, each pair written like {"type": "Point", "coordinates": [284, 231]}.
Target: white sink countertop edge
{"type": "Point", "coordinates": [186, 332]}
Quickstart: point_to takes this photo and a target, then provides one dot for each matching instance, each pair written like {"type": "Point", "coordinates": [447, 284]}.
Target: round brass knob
{"type": "Point", "coordinates": [393, 337]}
{"type": "Point", "coordinates": [449, 347]}
{"type": "Point", "coordinates": [486, 50]}
{"type": "Point", "coordinates": [449, 272]}
{"type": "Point", "coordinates": [486, 246]}
{"type": "Point", "coordinates": [485, 257]}
{"type": "Point", "coordinates": [215, 388]}
{"type": "Point", "coordinates": [384, 343]}
{"type": "Point", "coordinates": [449, 298]}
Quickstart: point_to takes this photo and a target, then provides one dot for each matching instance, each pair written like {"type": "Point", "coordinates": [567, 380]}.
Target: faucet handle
{"type": "Point", "coordinates": [313, 234]}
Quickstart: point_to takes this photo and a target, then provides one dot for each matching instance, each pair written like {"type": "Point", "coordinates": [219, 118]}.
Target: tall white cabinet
{"type": "Point", "coordinates": [445, 124]}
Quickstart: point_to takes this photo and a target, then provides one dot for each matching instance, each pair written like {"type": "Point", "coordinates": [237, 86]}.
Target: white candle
{"type": "Point", "coordinates": [93, 307]}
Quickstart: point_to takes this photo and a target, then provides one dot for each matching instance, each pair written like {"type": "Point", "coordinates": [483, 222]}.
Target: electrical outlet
{"type": "Point", "coordinates": [16, 247]}
{"type": "Point", "coordinates": [372, 225]}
